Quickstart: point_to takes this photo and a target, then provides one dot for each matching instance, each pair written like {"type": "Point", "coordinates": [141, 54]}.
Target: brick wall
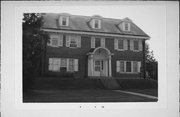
{"type": "Point", "coordinates": [81, 54]}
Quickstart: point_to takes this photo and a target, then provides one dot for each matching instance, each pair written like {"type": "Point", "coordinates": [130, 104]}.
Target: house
{"type": "Point", "coordinates": [93, 47]}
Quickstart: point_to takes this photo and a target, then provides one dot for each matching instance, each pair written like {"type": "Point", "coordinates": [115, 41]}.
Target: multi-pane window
{"type": "Point", "coordinates": [71, 65]}
{"type": "Point", "coordinates": [136, 45]}
{"type": "Point", "coordinates": [97, 42]}
{"type": "Point", "coordinates": [96, 23]}
{"type": "Point", "coordinates": [97, 65]}
{"type": "Point", "coordinates": [121, 66]}
{"type": "Point", "coordinates": [120, 44]}
{"type": "Point", "coordinates": [63, 64]}
{"type": "Point", "coordinates": [135, 66]}
{"type": "Point", "coordinates": [54, 64]}
{"type": "Point", "coordinates": [73, 42]}
{"type": "Point", "coordinates": [128, 66]}
{"type": "Point", "coordinates": [64, 21]}
{"type": "Point", "coordinates": [56, 40]}
{"type": "Point", "coordinates": [126, 26]}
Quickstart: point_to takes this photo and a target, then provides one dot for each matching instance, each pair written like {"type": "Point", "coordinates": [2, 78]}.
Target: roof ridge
{"type": "Point", "coordinates": [89, 16]}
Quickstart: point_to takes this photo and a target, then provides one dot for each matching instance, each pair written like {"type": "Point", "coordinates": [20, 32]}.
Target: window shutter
{"type": "Point", "coordinates": [103, 42]}
{"type": "Point", "coordinates": [60, 20]}
{"type": "Point", "coordinates": [139, 66]}
{"type": "Point", "coordinates": [67, 41]}
{"type": "Point", "coordinates": [50, 60]}
{"type": "Point", "coordinates": [67, 64]}
{"type": "Point", "coordinates": [117, 66]}
{"type": "Point", "coordinates": [131, 45]}
{"type": "Point", "coordinates": [125, 44]}
{"type": "Point", "coordinates": [92, 42]}
{"type": "Point", "coordinates": [92, 23]}
{"type": "Point", "coordinates": [79, 41]}
{"type": "Point", "coordinates": [99, 24]}
{"type": "Point", "coordinates": [50, 64]}
{"type": "Point", "coordinates": [124, 66]}
{"type": "Point", "coordinates": [115, 44]}
{"type": "Point", "coordinates": [60, 42]}
{"type": "Point", "coordinates": [75, 64]}
{"type": "Point", "coordinates": [140, 45]}
{"type": "Point", "coordinates": [67, 21]}
{"type": "Point", "coordinates": [59, 63]}
{"type": "Point", "coordinates": [129, 27]}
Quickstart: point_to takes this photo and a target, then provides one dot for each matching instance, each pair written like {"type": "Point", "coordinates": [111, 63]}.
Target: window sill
{"type": "Point", "coordinates": [54, 46]}
{"type": "Point", "coordinates": [129, 72]}
{"type": "Point", "coordinates": [120, 49]}
{"type": "Point", "coordinates": [74, 47]}
{"type": "Point", "coordinates": [136, 50]}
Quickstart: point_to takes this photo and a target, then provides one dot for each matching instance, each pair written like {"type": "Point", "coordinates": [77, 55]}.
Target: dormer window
{"type": "Point", "coordinates": [96, 23]}
{"type": "Point", "coordinates": [126, 26]}
{"type": "Point", "coordinates": [64, 21]}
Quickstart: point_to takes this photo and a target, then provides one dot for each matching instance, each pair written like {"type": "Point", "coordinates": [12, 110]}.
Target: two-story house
{"type": "Point", "coordinates": [92, 47]}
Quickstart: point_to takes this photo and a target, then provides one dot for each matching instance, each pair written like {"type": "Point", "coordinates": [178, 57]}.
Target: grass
{"type": "Point", "coordinates": [90, 95]}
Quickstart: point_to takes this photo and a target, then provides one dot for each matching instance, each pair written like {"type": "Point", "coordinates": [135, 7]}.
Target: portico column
{"type": "Point", "coordinates": [92, 65]}
{"type": "Point", "coordinates": [110, 74]}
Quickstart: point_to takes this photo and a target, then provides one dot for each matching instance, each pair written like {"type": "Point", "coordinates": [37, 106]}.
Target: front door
{"type": "Point", "coordinates": [99, 68]}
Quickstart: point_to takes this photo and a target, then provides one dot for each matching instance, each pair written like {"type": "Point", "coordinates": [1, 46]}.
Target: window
{"type": "Point", "coordinates": [64, 20]}
{"type": "Point", "coordinates": [73, 41]}
{"type": "Point", "coordinates": [136, 45]}
{"type": "Point", "coordinates": [63, 64]}
{"type": "Point", "coordinates": [126, 26]}
{"type": "Point", "coordinates": [54, 64]}
{"type": "Point", "coordinates": [97, 65]}
{"type": "Point", "coordinates": [56, 40]}
{"type": "Point", "coordinates": [120, 44]}
{"type": "Point", "coordinates": [96, 23]}
{"type": "Point", "coordinates": [71, 65]}
{"type": "Point", "coordinates": [64, 23]}
{"type": "Point", "coordinates": [128, 66]}
{"type": "Point", "coordinates": [121, 66]}
{"type": "Point", "coordinates": [135, 66]}
{"type": "Point", "coordinates": [97, 42]}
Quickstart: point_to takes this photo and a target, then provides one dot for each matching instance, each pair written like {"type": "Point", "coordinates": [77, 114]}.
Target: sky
{"type": "Point", "coordinates": [150, 18]}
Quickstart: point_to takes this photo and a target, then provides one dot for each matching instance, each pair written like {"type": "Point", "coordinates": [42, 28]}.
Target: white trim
{"type": "Point", "coordinates": [95, 34]}
{"type": "Point", "coordinates": [61, 20]}
{"type": "Point", "coordinates": [92, 42]}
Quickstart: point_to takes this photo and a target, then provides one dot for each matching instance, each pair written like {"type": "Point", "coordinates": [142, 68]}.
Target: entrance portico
{"type": "Point", "coordinates": [99, 62]}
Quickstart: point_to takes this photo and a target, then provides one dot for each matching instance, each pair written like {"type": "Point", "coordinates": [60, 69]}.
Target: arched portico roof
{"type": "Point", "coordinates": [92, 51]}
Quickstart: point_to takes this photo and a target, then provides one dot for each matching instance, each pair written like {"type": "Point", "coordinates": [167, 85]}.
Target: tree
{"type": "Point", "coordinates": [34, 40]}
{"type": "Point", "coordinates": [151, 63]}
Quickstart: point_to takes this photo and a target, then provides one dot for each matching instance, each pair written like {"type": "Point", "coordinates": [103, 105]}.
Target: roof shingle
{"type": "Point", "coordinates": [81, 23]}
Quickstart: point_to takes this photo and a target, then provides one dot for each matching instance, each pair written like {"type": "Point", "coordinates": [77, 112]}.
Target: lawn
{"type": "Point", "coordinates": [88, 95]}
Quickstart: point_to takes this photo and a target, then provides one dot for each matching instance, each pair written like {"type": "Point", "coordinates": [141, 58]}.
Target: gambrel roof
{"type": "Point", "coordinates": [81, 23]}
